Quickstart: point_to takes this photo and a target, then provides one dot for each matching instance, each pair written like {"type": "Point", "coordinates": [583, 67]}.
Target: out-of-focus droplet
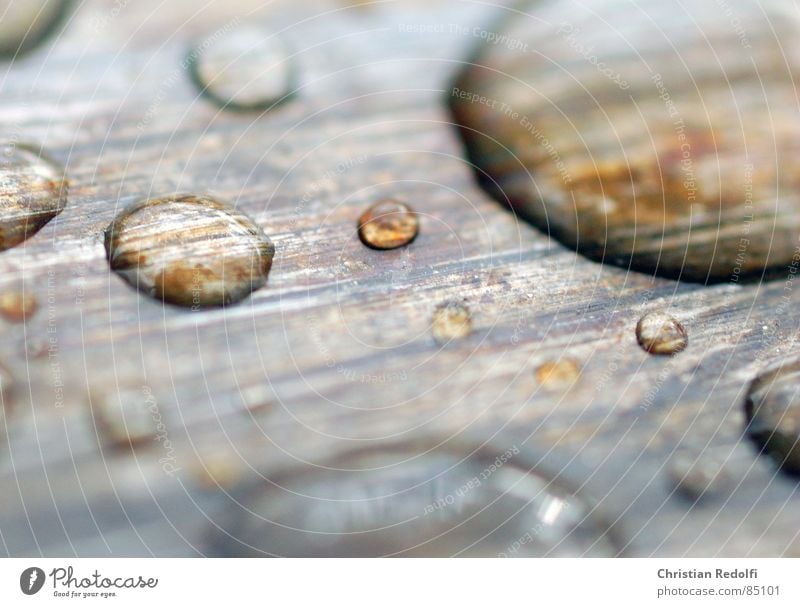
{"type": "Point", "coordinates": [192, 251]}
{"type": "Point", "coordinates": [7, 388]}
{"type": "Point", "coordinates": [243, 68]}
{"type": "Point", "coordinates": [386, 502]}
{"type": "Point", "coordinates": [33, 190]}
{"type": "Point", "coordinates": [388, 224]}
{"type": "Point", "coordinates": [660, 333]}
{"type": "Point", "coordinates": [773, 414]}
{"type": "Point", "coordinates": [17, 306]}
{"type": "Point", "coordinates": [23, 25]}
{"type": "Point", "coordinates": [697, 475]}
{"type": "Point", "coordinates": [451, 320]}
{"type": "Point", "coordinates": [636, 143]}
{"type": "Point", "coordinates": [128, 417]}
{"type": "Point", "coordinates": [562, 372]}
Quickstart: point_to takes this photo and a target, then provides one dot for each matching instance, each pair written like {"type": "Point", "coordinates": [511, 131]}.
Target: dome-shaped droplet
{"type": "Point", "coordinates": [389, 503]}
{"type": "Point", "coordinates": [192, 251]}
{"type": "Point", "coordinates": [451, 320]}
{"type": "Point", "coordinates": [33, 190]}
{"type": "Point", "coordinates": [244, 68]}
{"type": "Point", "coordinates": [773, 414]}
{"type": "Point", "coordinates": [660, 333]}
{"type": "Point", "coordinates": [24, 24]}
{"type": "Point", "coordinates": [388, 224]}
{"type": "Point", "coordinates": [657, 135]}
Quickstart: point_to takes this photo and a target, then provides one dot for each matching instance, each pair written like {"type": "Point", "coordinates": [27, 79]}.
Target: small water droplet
{"type": "Point", "coordinates": [127, 417]}
{"type": "Point", "coordinates": [33, 190]}
{"type": "Point", "coordinates": [660, 333]}
{"type": "Point", "coordinates": [187, 250]}
{"type": "Point", "coordinates": [7, 388]}
{"type": "Point", "coordinates": [388, 224]}
{"type": "Point", "coordinates": [17, 306]}
{"type": "Point", "coordinates": [561, 372]}
{"type": "Point", "coordinates": [246, 68]}
{"type": "Point", "coordinates": [23, 25]}
{"type": "Point", "coordinates": [773, 414]}
{"type": "Point", "coordinates": [697, 476]}
{"type": "Point", "coordinates": [451, 320]}
{"type": "Point", "coordinates": [387, 502]}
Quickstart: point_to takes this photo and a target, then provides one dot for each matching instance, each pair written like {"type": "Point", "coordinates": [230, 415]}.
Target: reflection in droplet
{"type": "Point", "coordinates": [697, 476]}
{"type": "Point", "coordinates": [17, 306]}
{"type": "Point", "coordinates": [33, 190]}
{"type": "Point", "coordinates": [245, 68]}
{"type": "Point", "coordinates": [127, 417]}
{"type": "Point", "coordinates": [773, 413]}
{"type": "Point", "coordinates": [442, 504]}
{"type": "Point", "coordinates": [23, 25]}
{"type": "Point", "coordinates": [388, 225]}
{"type": "Point", "coordinates": [660, 333]}
{"type": "Point", "coordinates": [451, 320]}
{"type": "Point", "coordinates": [561, 372]}
{"type": "Point", "coordinates": [192, 251]}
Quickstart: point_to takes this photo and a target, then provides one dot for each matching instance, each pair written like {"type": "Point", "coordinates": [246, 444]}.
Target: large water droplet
{"type": "Point", "coordinates": [388, 225]}
{"type": "Point", "coordinates": [385, 502]}
{"type": "Point", "coordinates": [245, 68]}
{"type": "Point", "coordinates": [17, 306]}
{"type": "Point", "coordinates": [773, 413]}
{"type": "Point", "coordinates": [187, 250]}
{"type": "Point", "coordinates": [646, 138]}
{"type": "Point", "coordinates": [33, 190]}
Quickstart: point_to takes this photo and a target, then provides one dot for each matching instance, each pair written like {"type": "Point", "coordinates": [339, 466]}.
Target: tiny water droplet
{"type": "Point", "coordinates": [773, 414]}
{"type": "Point", "coordinates": [451, 320]}
{"type": "Point", "coordinates": [192, 251]}
{"type": "Point", "coordinates": [127, 417]}
{"type": "Point", "coordinates": [388, 224]}
{"type": "Point", "coordinates": [17, 306]}
{"type": "Point", "coordinates": [561, 372]}
{"type": "Point", "coordinates": [33, 190]}
{"type": "Point", "coordinates": [246, 68]}
{"type": "Point", "coordinates": [697, 475]}
{"type": "Point", "coordinates": [660, 333]}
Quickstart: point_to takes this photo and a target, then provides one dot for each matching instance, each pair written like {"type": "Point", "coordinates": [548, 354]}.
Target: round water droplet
{"type": "Point", "coordinates": [451, 321]}
{"type": "Point", "coordinates": [773, 414]}
{"type": "Point", "coordinates": [388, 225]}
{"type": "Point", "coordinates": [697, 475]}
{"type": "Point", "coordinates": [187, 250]}
{"type": "Point", "coordinates": [16, 306]}
{"type": "Point", "coordinates": [33, 190]}
{"type": "Point", "coordinates": [23, 25]}
{"type": "Point", "coordinates": [562, 372]}
{"type": "Point", "coordinates": [660, 333]}
{"type": "Point", "coordinates": [245, 68]}
{"type": "Point", "coordinates": [386, 502]}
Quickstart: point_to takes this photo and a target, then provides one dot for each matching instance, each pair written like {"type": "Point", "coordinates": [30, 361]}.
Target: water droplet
{"type": "Point", "coordinates": [7, 389]}
{"type": "Point", "coordinates": [129, 417]}
{"type": "Point", "coordinates": [385, 502]}
{"type": "Point", "coordinates": [773, 414]}
{"type": "Point", "coordinates": [23, 25]}
{"type": "Point", "coordinates": [561, 372]}
{"type": "Point", "coordinates": [697, 476]}
{"type": "Point", "coordinates": [388, 225]}
{"type": "Point", "coordinates": [451, 320]}
{"type": "Point", "coordinates": [187, 250]}
{"type": "Point", "coordinates": [246, 68]}
{"type": "Point", "coordinates": [17, 306]}
{"type": "Point", "coordinates": [660, 333]}
{"type": "Point", "coordinates": [33, 190]}
{"type": "Point", "coordinates": [631, 154]}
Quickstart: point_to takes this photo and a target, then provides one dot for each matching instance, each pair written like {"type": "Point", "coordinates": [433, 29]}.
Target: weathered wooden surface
{"type": "Point", "coordinates": [336, 351]}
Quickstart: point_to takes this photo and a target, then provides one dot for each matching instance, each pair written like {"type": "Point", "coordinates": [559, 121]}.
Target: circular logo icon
{"type": "Point", "coordinates": [31, 580]}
